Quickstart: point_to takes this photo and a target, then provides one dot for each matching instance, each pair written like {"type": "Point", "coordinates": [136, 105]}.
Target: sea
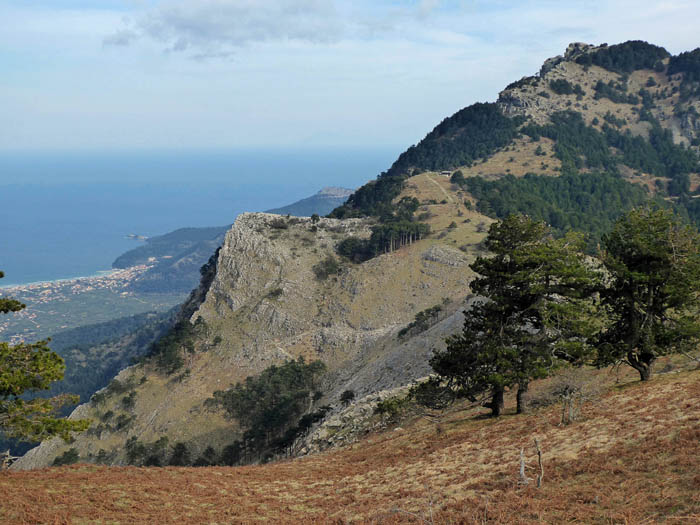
{"type": "Point", "coordinates": [66, 215]}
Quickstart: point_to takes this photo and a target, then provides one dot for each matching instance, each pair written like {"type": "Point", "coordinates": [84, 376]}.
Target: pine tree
{"type": "Point", "coordinates": [534, 310]}
{"type": "Point", "coordinates": [654, 263]}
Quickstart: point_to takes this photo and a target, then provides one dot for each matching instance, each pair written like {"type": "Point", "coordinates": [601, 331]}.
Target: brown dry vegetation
{"type": "Point", "coordinates": [633, 457]}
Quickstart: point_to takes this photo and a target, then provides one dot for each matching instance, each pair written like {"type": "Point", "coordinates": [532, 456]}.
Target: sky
{"type": "Point", "coordinates": [113, 75]}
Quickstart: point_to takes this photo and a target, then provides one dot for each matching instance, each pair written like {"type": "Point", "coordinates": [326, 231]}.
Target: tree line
{"type": "Point", "coordinates": [687, 64]}
{"type": "Point", "coordinates": [588, 202]}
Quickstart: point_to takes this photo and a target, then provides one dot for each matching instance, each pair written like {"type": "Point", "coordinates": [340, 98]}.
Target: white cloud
{"type": "Point", "coordinates": [212, 26]}
{"type": "Point", "coordinates": [219, 27]}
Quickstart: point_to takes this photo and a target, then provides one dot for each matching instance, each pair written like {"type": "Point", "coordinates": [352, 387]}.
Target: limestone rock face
{"type": "Point", "coordinates": [573, 51]}
{"type": "Point", "coordinates": [533, 98]}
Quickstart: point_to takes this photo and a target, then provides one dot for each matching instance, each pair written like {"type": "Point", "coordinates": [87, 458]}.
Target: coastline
{"type": "Point", "coordinates": [67, 303]}
{"type": "Point", "coordinates": [125, 274]}
{"type": "Point", "coordinates": [61, 280]}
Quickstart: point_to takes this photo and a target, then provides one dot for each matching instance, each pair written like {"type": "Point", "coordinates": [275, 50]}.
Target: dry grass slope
{"type": "Point", "coordinates": [634, 457]}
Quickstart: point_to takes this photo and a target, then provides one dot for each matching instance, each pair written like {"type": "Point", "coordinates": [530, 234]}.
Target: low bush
{"type": "Point", "coordinates": [69, 457]}
{"type": "Point", "coordinates": [393, 408]}
{"type": "Point", "coordinates": [327, 267]}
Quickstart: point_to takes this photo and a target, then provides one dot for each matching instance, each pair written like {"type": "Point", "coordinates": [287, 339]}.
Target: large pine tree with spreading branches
{"type": "Point", "coordinates": [535, 309]}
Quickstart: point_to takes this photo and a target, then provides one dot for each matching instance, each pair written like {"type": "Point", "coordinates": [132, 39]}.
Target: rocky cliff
{"type": "Point", "coordinates": [261, 302]}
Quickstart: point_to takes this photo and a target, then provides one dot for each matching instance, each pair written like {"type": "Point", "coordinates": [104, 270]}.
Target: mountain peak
{"type": "Point", "coordinates": [573, 51]}
{"type": "Point", "coordinates": [320, 203]}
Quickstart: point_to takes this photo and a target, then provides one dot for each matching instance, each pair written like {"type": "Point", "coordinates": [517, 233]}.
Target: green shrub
{"type": "Point", "coordinates": [325, 268]}
{"type": "Point", "coordinates": [347, 397]}
{"type": "Point", "coordinates": [180, 456]}
{"type": "Point", "coordinates": [129, 401]}
{"type": "Point", "coordinates": [274, 293]}
{"type": "Point", "coordinates": [279, 224]}
{"type": "Point", "coordinates": [69, 457]}
{"type": "Point", "coordinates": [562, 86]}
{"type": "Point", "coordinates": [146, 454]}
{"type": "Point", "coordinates": [422, 321]}
{"type": "Point", "coordinates": [393, 408]}
{"type": "Point", "coordinates": [207, 458]}
{"type": "Point", "coordinates": [457, 177]}
{"type": "Point", "coordinates": [123, 421]}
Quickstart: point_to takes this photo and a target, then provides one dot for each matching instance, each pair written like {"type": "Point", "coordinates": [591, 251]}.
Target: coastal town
{"type": "Point", "coordinates": [87, 299]}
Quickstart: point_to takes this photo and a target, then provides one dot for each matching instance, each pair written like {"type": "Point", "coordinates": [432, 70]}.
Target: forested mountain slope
{"type": "Point", "coordinates": [618, 124]}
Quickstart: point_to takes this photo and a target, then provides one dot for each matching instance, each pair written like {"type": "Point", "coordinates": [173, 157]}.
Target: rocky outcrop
{"type": "Point", "coordinates": [573, 51]}
{"type": "Point", "coordinates": [347, 424]}
{"type": "Point", "coordinates": [335, 192]}
{"type": "Point", "coordinates": [445, 255]}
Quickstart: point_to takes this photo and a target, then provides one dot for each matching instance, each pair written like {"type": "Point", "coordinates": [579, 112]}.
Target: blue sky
{"type": "Point", "coordinates": [222, 74]}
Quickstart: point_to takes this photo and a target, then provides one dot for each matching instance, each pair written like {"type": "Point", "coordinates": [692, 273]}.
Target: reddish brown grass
{"type": "Point", "coordinates": [633, 458]}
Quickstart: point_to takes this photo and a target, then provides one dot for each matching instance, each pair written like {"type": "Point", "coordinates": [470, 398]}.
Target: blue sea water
{"type": "Point", "coordinates": [67, 215]}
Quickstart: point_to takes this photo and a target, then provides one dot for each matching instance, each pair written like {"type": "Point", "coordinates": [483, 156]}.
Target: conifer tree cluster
{"type": "Point", "coordinates": [273, 408]}
{"type": "Point", "coordinates": [542, 303]}
{"type": "Point", "coordinates": [534, 308]}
